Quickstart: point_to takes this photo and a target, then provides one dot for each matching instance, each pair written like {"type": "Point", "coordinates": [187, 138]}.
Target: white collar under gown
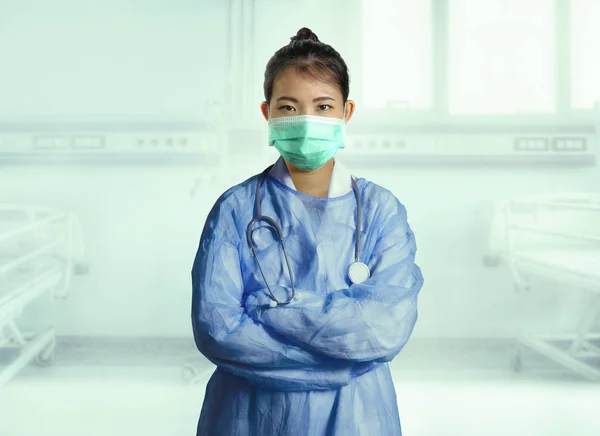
{"type": "Point", "coordinates": [317, 366]}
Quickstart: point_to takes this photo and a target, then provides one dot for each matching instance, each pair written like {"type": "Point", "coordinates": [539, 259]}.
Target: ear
{"type": "Point", "coordinates": [264, 108]}
{"type": "Point", "coordinates": [350, 106]}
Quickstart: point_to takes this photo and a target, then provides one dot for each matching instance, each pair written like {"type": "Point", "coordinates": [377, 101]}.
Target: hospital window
{"type": "Point", "coordinates": [585, 53]}
{"type": "Point", "coordinates": [397, 54]}
{"type": "Point", "coordinates": [501, 56]}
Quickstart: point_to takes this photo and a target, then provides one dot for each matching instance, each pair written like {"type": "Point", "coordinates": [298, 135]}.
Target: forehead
{"type": "Point", "coordinates": [294, 83]}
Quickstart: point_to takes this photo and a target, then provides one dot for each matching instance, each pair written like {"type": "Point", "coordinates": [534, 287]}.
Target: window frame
{"type": "Point", "coordinates": [564, 113]}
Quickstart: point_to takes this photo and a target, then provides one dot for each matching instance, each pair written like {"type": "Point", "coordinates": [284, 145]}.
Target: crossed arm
{"type": "Point", "coordinates": [371, 321]}
{"type": "Point", "coordinates": [318, 342]}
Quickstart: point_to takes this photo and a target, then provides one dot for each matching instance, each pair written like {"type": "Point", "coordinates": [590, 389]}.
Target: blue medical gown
{"type": "Point", "coordinates": [317, 366]}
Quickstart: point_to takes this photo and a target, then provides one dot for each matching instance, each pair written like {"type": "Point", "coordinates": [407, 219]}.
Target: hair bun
{"type": "Point", "coordinates": [304, 34]}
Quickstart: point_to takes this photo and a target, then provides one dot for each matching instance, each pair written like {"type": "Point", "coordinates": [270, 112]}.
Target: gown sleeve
{"type": "Point", "coordinates": [371, 321]}
{"type": "Point", "coordinates": [229, 338]}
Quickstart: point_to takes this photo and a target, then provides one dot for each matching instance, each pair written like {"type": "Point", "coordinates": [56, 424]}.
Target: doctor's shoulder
{"type": "Point", "coordinates": [232, 212]}
{"type": "Point", "coordinates": [384, 201]}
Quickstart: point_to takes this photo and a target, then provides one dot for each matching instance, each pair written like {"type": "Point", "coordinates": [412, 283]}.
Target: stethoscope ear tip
{"type": "Point", "coordinates": [273, 303]}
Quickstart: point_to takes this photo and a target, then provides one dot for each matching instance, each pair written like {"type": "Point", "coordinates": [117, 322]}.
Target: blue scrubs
{"type": "Point", "coordinates": [317, 366]}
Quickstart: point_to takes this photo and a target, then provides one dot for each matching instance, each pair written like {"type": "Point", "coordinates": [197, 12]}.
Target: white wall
{"type": "Point", "coordinates": [448, 209]}
{"type": "Point", "coordinates": [141, 230]}
{"type": "Point", "coordinates": [140, 225]}
{"type": "Point", "coordinates": [113, 58]}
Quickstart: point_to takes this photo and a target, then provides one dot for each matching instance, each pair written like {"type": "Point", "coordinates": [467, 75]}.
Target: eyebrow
{"type": "Point", "coordinates": [296, 101]}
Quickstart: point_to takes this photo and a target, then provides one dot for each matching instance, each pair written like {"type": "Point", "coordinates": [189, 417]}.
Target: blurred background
{"type": "Point", "coordinates": [121, 122]}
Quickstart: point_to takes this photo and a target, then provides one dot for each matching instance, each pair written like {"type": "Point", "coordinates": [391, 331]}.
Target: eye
{"type": "Point", "coordinates": [286, 107]}
{"type": "Point", "coordinates": [324, 107]}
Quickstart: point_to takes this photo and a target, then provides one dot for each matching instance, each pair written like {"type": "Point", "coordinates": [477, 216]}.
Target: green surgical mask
{"type": "Point", "coordinates": [307, 141]}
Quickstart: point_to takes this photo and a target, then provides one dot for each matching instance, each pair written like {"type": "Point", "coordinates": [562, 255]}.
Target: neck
{"type": "Point", "coordinates": [313, 183]}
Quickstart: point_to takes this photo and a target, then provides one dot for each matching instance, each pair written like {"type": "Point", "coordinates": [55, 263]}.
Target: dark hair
{"type": "Point", "coordinates": [311, 57]}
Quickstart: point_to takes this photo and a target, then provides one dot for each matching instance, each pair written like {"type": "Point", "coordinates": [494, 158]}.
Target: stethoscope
{"type": "Point", "coordinates": [358, 271]}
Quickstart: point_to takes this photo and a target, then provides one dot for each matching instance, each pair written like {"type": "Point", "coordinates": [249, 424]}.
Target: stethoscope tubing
{"type": "Point", "coordinates": [258, 216]}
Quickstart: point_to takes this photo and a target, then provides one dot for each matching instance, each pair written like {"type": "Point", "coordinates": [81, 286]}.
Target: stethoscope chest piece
{"type": "Point", "coordinates": [358, 272]}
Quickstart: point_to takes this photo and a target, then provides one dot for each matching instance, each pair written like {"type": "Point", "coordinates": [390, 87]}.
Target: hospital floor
{"type": "Point", "coordinates": [444, 388]}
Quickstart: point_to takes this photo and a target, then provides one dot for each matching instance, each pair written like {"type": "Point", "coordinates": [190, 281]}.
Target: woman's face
{"type": "Point", "coordinates": [297, 94]}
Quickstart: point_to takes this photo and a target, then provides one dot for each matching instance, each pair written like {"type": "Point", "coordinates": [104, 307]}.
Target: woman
{"type": "Point", "coordinates": [301, 341]}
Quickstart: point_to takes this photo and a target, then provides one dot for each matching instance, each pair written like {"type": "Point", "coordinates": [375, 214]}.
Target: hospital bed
{"type": "Point", "coordinates": [36, 258]}
{"type": "Point", "coordinates": [556, 238]}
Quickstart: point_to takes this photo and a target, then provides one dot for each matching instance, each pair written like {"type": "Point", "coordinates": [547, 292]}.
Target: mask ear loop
{"type": "Point", "coordinates": [344, 127]}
